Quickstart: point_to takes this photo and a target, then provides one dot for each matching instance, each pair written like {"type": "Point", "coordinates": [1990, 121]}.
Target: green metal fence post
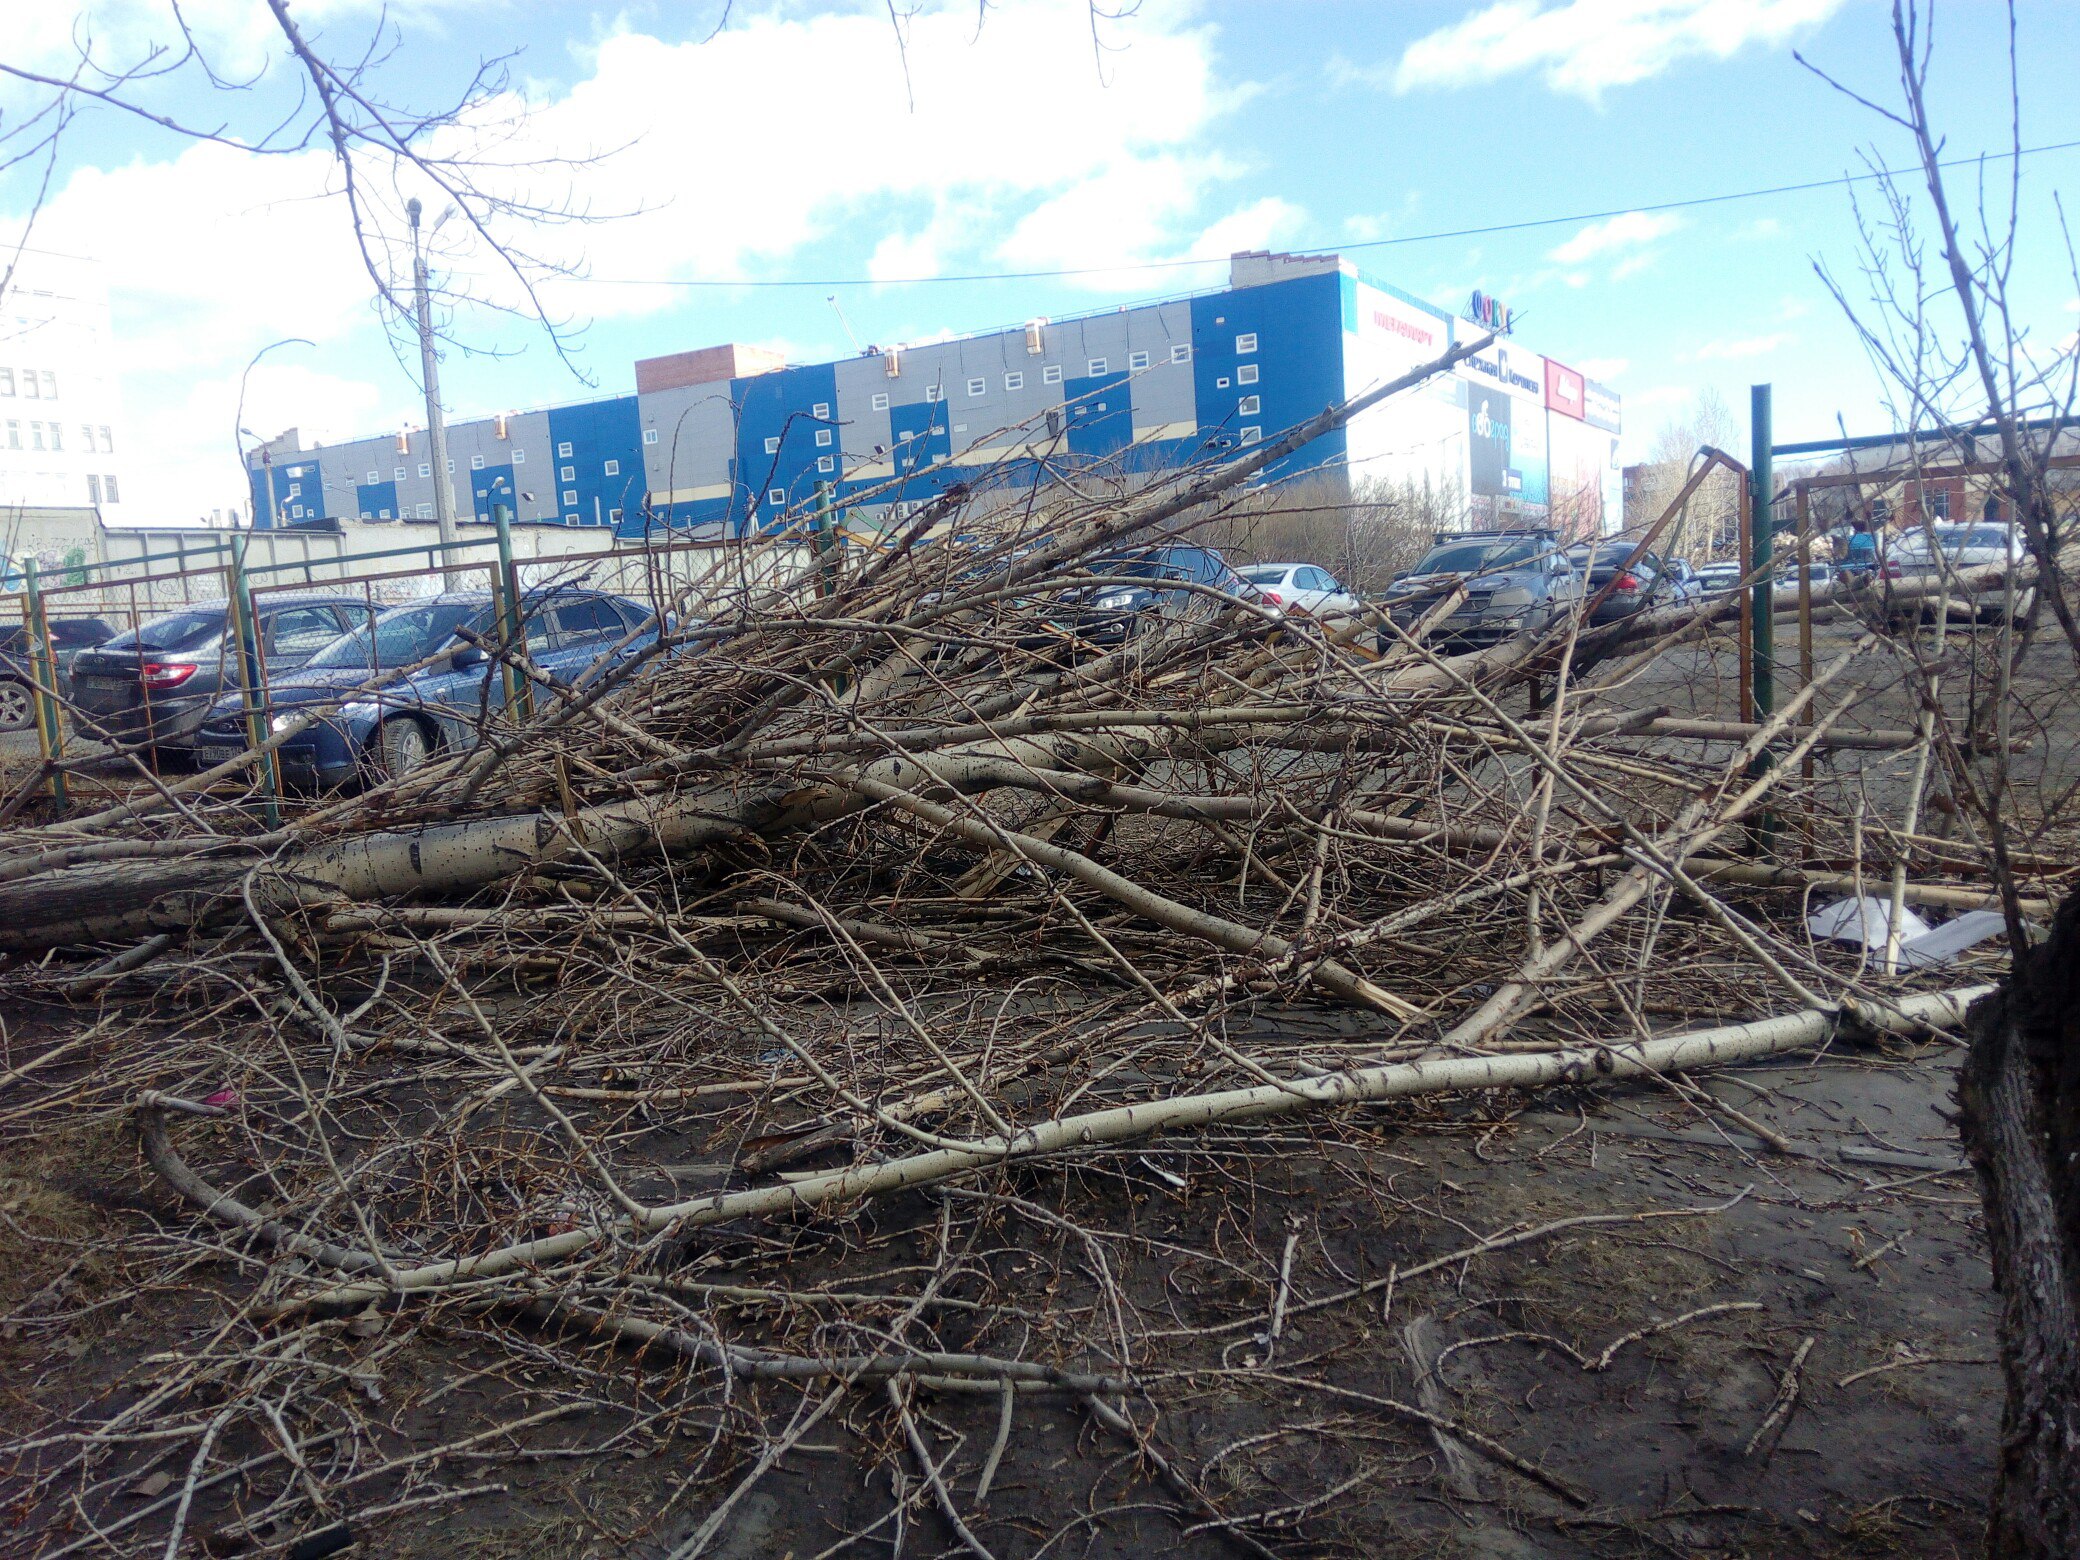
{"type": "Point", "coordinates": [252, 694]}
{"type": "Point", "coordinates": [519, 691]}
{"type": "Point", "coordinates": [1761, 606]}
{"type": "Point", "coordinates": [50, 730]}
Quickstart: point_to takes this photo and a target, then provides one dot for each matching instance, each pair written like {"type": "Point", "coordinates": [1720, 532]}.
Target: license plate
{"type": "Point", "coordinates": [99, 684]}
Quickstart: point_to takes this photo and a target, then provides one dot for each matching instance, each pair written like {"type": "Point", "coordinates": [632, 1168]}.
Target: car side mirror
{"type": "Point", "coordinates": [469, 655]}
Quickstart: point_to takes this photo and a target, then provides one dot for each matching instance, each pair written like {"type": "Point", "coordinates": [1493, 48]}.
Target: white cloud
{"type": "Point", "coordinates": [1761, 227]}
{"type": "Point", "coordinates": [1017, 150]}
{"type": "Point", "coordinates": [1627, 230]}
{"type": "Point", "coordinates": [1741, 347]}
{"type": "Point", "coordinates": [1586, 47]}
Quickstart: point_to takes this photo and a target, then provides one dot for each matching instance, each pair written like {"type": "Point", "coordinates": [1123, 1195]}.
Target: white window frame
{"type": "Point", "coordinates": [382, 514]}
{"type": "Point", "coordinates": [880, 401]}
{"type": "Point", "coordinates": [476, 463]}
{"type": "Point", "coordinates": [426, 511]}
{"type": "Point", "coordinates": [1246, 373]}
{"type": "Point", "coordinates": [570, 495]}
{"type": "Point", "coordinates": [400, 474]}
{"type": "Point", "coordinates": [1097, 366]}
{"type": "Point", "coordinates": [1245, 343]}
{"type": "Point", "coordinates": [519, 457]}
{"type": "Point", "coordinates": [977, 387]}
{"type": "Point", "coordinates": [1051, 374]}
{"type": "Point", "coordinates": [612, 468]}
{"type": "Point", "coordinates": [826, 463]}
{"type": "Point", "coordinates": [567, 474]}
{"type": "Point", "coordinates": [777, 497]}
{"type": "Point", "coordinates": [772, 446]}
{"type": "Point", "coordinates": [823, 438]}
{"type": "Point", "coordinates": [935, 392]}
{"type": "Point", "coordinates": [649, 435]}
{"type": "Point", "coordinates": [425, 468]}
{"type": "Point", "coordinates": [563, 450]}
{"type": "Point", "coordinates": [1181, 353]}
{"type": "Point", "coordinates": [1252, 434]}
{"type": "Point", "coordinates": [374, 477]}
{"type": "Point", "coordinates": [1249, 406]}
{"type": "Point", "coordinates": [1015, 380]}
{"type": "Point", "coordinates": [1136, 362]}
{"type": "Point", "coordinates": [613, 517]}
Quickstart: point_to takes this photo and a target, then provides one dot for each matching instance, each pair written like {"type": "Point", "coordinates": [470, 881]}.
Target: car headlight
{"type": "Point", "coordinates": [281, 723]}
{"type": "Point", "coordinates": [1515, 597]}
{"type": "Point", "coordinates": [1113, 600]}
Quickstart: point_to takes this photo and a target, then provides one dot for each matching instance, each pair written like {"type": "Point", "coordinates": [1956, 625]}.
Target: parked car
{"type": "Point", "coordinates": [1986, 549]}
{"type": "Point", "coordinates": [1516, 582]}
{"type": "Point", "coordinates": [154, 684]}
{"type": "Point", "coordinates": [1784, 589]}
{"type": "Point", "coordinates": [1717, 579]}
{"type": "Point", "coordinates": [69, 636]}
{"type": "Point", "coordinates": [1299, 587]}
{"type": "Point", "coordinates": [1107, 615]}
{"type": "Point", "coordinates": [395, 726]}
{"type": "Point", "coordinates": [1644, 584]}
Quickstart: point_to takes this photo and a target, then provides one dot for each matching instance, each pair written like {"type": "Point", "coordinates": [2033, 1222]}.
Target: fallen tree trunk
{"type": "Point", "coordinates": [2019, 1092]}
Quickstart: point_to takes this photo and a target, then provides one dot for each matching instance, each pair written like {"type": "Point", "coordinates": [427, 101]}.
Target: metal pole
{"type": "Point", "coordinates": [1745, 621]}
{"type": "Point", "coordinates": [1761, 607]}
{"type": "Point", "coordinates": [252, 695]}
{"type": "Point", "coordinates": [436, 428]}
{"type": "Point", "coordinates": [274, 508]}
{"type": "Point", "coordinates": [50, 733]}
{"type": "Point", "coordinates": [519, 691]}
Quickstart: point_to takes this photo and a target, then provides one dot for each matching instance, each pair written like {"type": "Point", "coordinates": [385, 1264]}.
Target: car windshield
{"type": "Point", "coordinates": [178, 631]}
{"type": "Point", "coordinates": [402, 635]}
{"type": "Point", "coordinates": [1466, 557]}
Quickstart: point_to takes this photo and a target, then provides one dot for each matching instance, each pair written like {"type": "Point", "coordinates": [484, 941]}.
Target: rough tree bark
{"type": "Point", "coordinates": [2019, 1094]}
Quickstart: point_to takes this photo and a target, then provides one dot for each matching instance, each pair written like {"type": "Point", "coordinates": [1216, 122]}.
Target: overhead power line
{"type": "Point", "coordinates": [1685, 204]}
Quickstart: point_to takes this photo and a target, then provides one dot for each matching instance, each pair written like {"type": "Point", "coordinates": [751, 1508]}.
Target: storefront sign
{"type": "Point", "coordinates": [1564, 389]}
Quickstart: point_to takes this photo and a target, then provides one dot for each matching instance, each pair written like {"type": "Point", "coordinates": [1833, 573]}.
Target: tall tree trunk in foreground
{"type": "Point", "coordinates": [2020, 1095]}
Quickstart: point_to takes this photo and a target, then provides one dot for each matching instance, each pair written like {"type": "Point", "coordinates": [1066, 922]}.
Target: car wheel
{"type": "Point", "coordinates": [401, 746]}
{"type": "Point", "coordinates": [17, 708]}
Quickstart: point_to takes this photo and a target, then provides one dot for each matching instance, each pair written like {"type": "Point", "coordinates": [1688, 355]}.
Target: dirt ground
{"type": "Point", "coordinates": [1867, 1273]}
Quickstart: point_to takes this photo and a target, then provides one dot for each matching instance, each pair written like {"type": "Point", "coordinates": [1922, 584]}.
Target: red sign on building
{"type": "Point", "coordinates": [1564, 389]}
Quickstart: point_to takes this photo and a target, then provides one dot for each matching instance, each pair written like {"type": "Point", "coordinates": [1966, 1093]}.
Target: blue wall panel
{"type": "Point", "coordinates": [494, 485]}
{"type": "Point", "coordinates": [598, 432]}
{"type": "Point", "coordinates": [781, 407]}
{"type": "Point", "coordinates": [1298, 324]}
{"type": "Point", "coordinates": [1100, 413]}
{"type": "Point", "coordinates": [376, 500]}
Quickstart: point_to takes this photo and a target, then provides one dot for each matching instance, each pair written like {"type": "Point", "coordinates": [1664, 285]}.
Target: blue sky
{"type": "Point", "coordinates": [790, 147]}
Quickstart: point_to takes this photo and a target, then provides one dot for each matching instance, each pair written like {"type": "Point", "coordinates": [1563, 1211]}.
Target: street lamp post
{"type": "Point", "coordinates": [436, 428]}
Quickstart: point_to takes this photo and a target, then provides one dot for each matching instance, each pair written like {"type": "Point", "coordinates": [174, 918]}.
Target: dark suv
{"type": "Point", "coordinates": [1516, 583]}
{"type": "Point", "coordinates": [153, 685]}
{"type": "Point", "coordinates": [69, 636]}
{"type": "Point", "coordinates": [1148, 583]}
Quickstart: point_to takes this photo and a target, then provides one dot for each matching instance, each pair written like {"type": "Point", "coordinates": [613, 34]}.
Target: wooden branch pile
{"type": "Point", "coordinates": [830, 1018]}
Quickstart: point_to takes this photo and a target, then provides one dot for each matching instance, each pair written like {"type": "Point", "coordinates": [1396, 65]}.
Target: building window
{"type": "Point", "coordinates": [1246, 344]}
{"type": "Point", "coordinates": [821, 409]}
{"type": "Point", "coordinates": [426, 511]}
{"type": "Point", "coordinates": [296, 490]}
{"type": "Point", "coordinates": [777, 497]}
{"type": "Point", "coordinates": [570, 519]}
{"type": "Point", "coordinates": [823, 438]}
{"type": "Point", "coordinates": [1249, 406]}
{"type": "Point", "coordinates": [568, 474]}
{"type": "Point", "coordinates": [570, 495]}
{"type": "Point", "coordinates": [1181, 353]}
{"type": "Point", "coordinates": [14, 433]}
{"type": "Point", "coordinates": [425, 468]}
{"type": "Point", "coordinates": [366, 515]}
{"type": "Point", "coordinates": [613, 517]}
{"type": "Point", "coordinates": [398, 476]}
{"type": "Point", "coordinates": [1051, 375]}
{"type": "Point", "coordinates": [649, 435]}
{"type": "Point", "coordinates": [1136, 361]}
{"type": "Point", "coordinates": [1252, 434]}
{"type": "Point", "coordinates": [880, 401]}
{"type": "Point", "coordinates": [1939, 506]}
{"type": "Point", "coordinates": [1246, 374]}
{"type": "Point", "coordinates": [108, 489]}
{"type": "Point", "coordinates": [93, 489]}
{"type": "Point", "coordinates": [826, 463]}
{"type": "Point", "coordinates": [476, 463]}
{"type": "Point", "coordinates": [1096, 367]}
{"type": "Point", "coordinates": [382, 514]}
{"type": "Point", "coordinates": [934, 392]}
{"type": "Point", "coordinates": [772, 446]}
{"type": "Point", "coordinates": [36, 436]}
{"type": "Point", "coordinates": [977, 386]}
{"type": "Point", "coordinates": [108, 441]}
{"type": "Point", "coordinates": [1014, 381]}
{"type": "Point", "coordinates": [57, 436]}
{"type": "Point", "coordinates": [29, 383]}
{"type": "Point", "coordinates": [563, 450]}
{"type": "Point", "coordinates": [613, 468]}
{"type": "Point", "coordinates": [519, 457]}
{"type": "Point", "coordinates": [86, 433]}
{"type": "Point", "coordinates": [374, 477]}
{"type": "Point", "coordinates": [6, 381]}
{"type": "Point", "coordinates": [50, 385]}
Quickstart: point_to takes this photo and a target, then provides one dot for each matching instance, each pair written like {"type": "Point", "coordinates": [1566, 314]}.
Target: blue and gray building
{"type": "Point", "coordinates": [729, 440]}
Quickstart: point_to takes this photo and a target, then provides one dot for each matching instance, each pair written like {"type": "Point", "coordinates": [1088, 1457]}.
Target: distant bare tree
{"type": "Point", "coordinates": [1707, 527]}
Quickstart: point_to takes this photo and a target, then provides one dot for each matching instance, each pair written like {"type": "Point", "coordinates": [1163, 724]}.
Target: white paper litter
{"type": "Point", "coordinates": [1865, 920]}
